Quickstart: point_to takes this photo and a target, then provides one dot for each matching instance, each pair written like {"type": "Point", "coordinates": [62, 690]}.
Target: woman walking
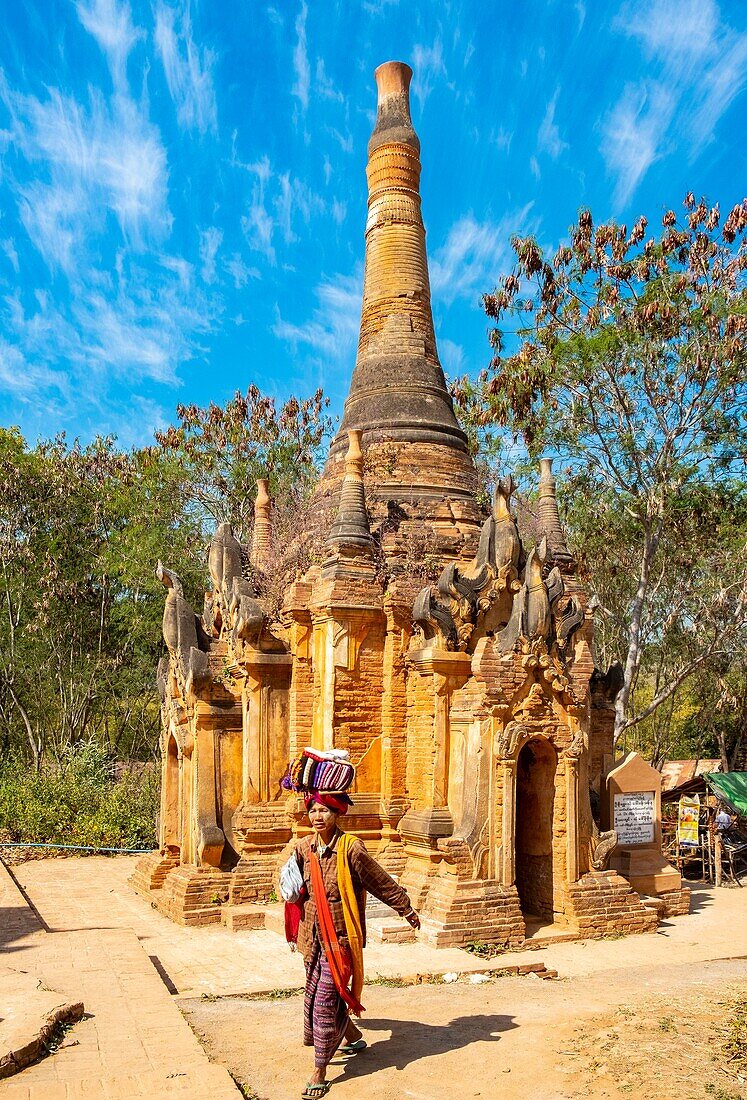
{"type": "Point", "coordinates": [337, 871]}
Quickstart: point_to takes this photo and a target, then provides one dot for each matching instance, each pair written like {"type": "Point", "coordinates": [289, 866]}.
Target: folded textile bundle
{"type": "Point", "coordinates": [319, 771]}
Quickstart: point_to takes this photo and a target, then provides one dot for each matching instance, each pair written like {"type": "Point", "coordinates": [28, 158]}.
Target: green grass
{"type": "Point", "coordinates": [485, 950]}
{"type": "Point", "coordinates": [78, 802]}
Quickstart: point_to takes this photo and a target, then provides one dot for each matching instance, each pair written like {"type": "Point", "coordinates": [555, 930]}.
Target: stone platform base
{"type": "Point", "coordinates": [193, 895]}
{"type": "Point", "coordinates": [151, 871]}
{"type": "Point", "coordinates": [603, 903]}
{"type": "Point", "coordinates": [674, 903]}
{"type": "Point", "coordinates": [253, 880]}
{"type": "Point", "coordinates": [243, 918]}
{"type": "Point", "coordinates": [454, 911]}
{"type": "Point", "coordinates": [458, 912]}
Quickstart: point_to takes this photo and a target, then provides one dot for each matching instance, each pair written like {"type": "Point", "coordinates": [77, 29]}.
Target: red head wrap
{"type": "Point", "coordinates": [333, 800]}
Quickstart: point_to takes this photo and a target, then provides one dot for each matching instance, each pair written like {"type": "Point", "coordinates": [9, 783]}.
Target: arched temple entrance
{"type": "Point", "coordinates": [535, 797]}
{"type": "Point", "coordinates": [170, 809]}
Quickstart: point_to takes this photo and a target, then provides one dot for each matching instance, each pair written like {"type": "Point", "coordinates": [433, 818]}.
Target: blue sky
{"type": "Point", "coordinates": [182, 187]}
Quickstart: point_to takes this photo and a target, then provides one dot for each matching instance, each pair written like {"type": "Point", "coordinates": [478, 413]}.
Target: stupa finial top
{"type": "Point", "coordinates": [393, 122]}
{"type": "Point", "coordinates": [393, 78]}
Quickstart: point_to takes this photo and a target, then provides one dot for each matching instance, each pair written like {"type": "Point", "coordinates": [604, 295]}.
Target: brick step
{"type": "Point", "coordinates": [389, 931]}
{"type": "Point", "coordinates": [275, 919]}
{"type": "Point", "coordinates": [242, 918]}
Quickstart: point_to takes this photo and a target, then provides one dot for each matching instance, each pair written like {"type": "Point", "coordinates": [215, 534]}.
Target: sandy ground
{"type": "Point", "coordinates": [639, 1016]}
{"type": "Point", "coordinates": [620, 1034]}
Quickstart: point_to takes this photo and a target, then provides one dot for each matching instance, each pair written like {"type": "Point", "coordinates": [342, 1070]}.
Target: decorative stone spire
{"type": "Point", "coordinates": [262, 533]}
{"type": "Point", "coordinates": [549, 519]}
{"type": "Point", "coordinates": [398, 391]}
{"type": "Point", "coordinates": [419, 472]}
{"type": "Point", "coordinates": [350, 528]}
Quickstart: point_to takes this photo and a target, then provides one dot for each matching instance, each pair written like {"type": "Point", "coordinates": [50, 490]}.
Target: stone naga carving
{"type": "Point", "coordinates": [602, 845]}
{"type": "Point", "coordinates": [466, 594]}
{"type": "Point", "coordinates": [234, 607]}
{"type": "Point", "coordinates": [608, 685]}
{"type": "Point", "coordinates": [464, 598]}
{"type": "Point", "coordinates": [180, 634]}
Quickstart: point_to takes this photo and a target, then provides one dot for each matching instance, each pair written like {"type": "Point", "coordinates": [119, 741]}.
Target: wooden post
{"type": "Point", "coordinates": [718, 855]}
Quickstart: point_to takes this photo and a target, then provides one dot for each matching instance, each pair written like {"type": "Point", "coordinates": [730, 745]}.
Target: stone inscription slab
{"type": "Point", "coordinates": [634, 817]}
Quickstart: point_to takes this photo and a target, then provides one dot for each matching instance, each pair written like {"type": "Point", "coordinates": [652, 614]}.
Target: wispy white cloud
{"type": "Point", "coordinates": [332, 331]}
{"type": "Point", "coordinates": [96, 159]}
{"type": "Point", "coordinates": [210, 241]}
{"type": "Point", "coordinates": [452, 356]}
{"type": "Point", "coordinates": [697, 68]}
{"type": "Point", "coordinates": [428, 66]}
{"type": "Point", "coordinates": [548, 138]}
{"type": "Point", "coordinates": [634, 133]}
{"type": "Point", "coordinates": [110, 23]}
{"type": "Point", "coordinates": [258, 224]}
{"type": "Point", "coordinates": [345, 141]}
{"type": "Point", "coordinates": [677, 32]}
{"type": "Point", "coordinates": [301, 66]}
{"type": "Point", "coordinates": [502, 138]}
{"type": "Point", "coordinates": [324, 84]}
{"type": "Point", "coordinates": [181, 268]}
{"type": "Point", "coordinates": [90, 179]}
{"type": "Point", "coordinates": [240, 272]}
{"type": "Point", "coordinates": [377, 7]}
{"type": "Point", "coordinates": [721, 84]}
{"type": "Point", "coordinates": [474, 254]}
{"type": "Point", "coordinates": [277, 201]}
{"type": "Point", "coordinates": [9, 249]}
{"type": "Point", "coordinates": [119, 340]}
{"type": "Point", "coordinates": [188, 68]}
{"type": "Point", "coordinates": [22, 379]}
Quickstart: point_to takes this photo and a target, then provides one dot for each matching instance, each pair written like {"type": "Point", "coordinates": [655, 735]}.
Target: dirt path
{"type": "Point", "coordinates": [652, 1033]}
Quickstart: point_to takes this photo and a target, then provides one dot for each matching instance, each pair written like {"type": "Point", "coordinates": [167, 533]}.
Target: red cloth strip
{"type": "Point", "coordinates": [339, 964]}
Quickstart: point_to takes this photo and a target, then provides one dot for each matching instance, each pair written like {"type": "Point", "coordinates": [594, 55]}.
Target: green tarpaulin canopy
{"type": "Point", "coordinates": [731, 788]}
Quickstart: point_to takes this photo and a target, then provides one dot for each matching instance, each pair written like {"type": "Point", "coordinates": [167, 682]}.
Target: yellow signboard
{"type": "Point", "coordinates": [687, 821]}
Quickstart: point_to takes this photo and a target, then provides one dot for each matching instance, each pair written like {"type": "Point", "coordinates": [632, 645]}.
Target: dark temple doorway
{"type": "Point", "coordinates": [535, 797]}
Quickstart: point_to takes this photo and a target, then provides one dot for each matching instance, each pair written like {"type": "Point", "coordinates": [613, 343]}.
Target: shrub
{"type": "Point", "coordinates": [79, 801]}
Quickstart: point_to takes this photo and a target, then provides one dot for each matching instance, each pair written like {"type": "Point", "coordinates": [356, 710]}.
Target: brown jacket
{"type": "Point", "coordinates": [367, 876]}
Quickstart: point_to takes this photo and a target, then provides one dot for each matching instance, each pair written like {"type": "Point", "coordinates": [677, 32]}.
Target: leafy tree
{"type": "Point", "coordinates": [630, 365]}
{"type": "Point", "coordinates": [222, 452]}
{"type": "Point", "coordinates": [80, 630]}
{"type": "Point", "coordinates": [81, 529]}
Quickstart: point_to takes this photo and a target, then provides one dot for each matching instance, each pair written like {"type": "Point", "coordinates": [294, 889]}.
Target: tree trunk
{"type": "Point", "coordinates": [650, 546]}
{"type": "Point", "coordinates": [34, 744]}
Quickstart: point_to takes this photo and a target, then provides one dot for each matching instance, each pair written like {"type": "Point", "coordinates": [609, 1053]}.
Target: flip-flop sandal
{"type": "Point", "coordinates": [352, 1048]}
{"type": "Point", "coordinates": [315, 1090]}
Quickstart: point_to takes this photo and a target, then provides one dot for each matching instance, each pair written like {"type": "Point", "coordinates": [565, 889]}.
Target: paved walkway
{"type": "Point", "coordinates": [93, 893]}
{"type": "Point", "coordinates": [132, 1042]}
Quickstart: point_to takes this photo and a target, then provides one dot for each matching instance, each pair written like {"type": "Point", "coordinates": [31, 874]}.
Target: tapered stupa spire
{"type": "Point", "coordinates": [416, 454]}
{"type": "Point", "coordinates": [549, 518]}
{"type": "Point", "coordinates": [262, 534]}
{"type": "Point", "coordinates": [350, 528]}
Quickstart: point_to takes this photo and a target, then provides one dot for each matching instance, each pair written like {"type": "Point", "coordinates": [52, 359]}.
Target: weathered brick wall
{"type": "Point", "coordinates": [358, 701]}
{"type": "Point", "coordinates": [421, 744]}
{"type": "Point", "coordinates": [394, 702]}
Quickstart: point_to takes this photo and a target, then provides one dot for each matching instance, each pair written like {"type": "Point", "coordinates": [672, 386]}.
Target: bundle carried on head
{"type": "Point", "coordinates": [314, 770]}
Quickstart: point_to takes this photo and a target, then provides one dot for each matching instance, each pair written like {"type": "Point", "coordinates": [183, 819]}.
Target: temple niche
{"type": "Point", "coordinates": [480, 730]}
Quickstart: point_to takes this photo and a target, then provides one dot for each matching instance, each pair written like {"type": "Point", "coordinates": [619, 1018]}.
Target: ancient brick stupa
{"type": "Point", "coordinates": [471, 708]}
